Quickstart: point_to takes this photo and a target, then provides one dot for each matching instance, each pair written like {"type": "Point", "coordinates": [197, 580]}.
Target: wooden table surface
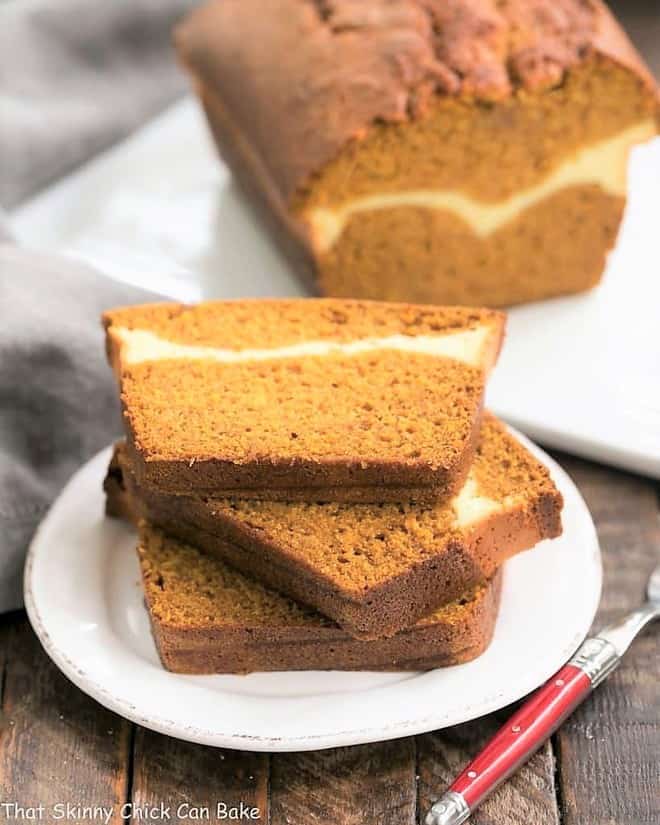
{"type": "Point", "coordinates": [602, 768]}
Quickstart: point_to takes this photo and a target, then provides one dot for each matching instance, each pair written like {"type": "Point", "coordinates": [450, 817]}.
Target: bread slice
{"type": "Point", "coordinates": [303, 399]}
{"type": "Point", "coordinates": [208, 618]}
{"type": "Point", "coordinates": [374, 569]}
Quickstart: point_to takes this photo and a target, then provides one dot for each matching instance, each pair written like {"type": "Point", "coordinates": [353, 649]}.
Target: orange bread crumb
{"type": "Point", "coordinates": [374, 569]}
{"type": "Point", "coordinates": [208, 618]}
{"type": "Point", "coordinates": [305, 399]}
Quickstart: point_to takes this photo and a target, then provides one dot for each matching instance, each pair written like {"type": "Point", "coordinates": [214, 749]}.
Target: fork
{"type": "Point", "coordinates": [543, 712]}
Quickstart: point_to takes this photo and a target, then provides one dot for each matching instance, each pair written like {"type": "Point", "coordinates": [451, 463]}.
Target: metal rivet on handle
{"type": "Point", "coordinates": [472, 774]}
{"type": "Point", "coordinates": [515, 728]}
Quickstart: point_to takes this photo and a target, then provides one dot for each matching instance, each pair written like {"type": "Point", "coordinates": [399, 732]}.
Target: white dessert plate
{"type": "Point", "coordinates": [84, 600]}
{"type": "Point", "coordinates": [579, 373]}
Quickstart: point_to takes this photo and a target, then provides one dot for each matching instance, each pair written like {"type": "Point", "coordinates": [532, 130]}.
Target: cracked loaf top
{"type": "Point", "coordinates": [301, 78]}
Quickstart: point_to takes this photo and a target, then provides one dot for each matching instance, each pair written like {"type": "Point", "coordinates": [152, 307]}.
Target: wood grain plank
{"type": "Point", "coordinates": [362, 785]}
{"type": "Point", "coordinates": [7, 621]}
{"type": "Point", "coordinates": [609, 750]}
{"type": "Point", "coordinates": [528, 798]}
{"type": "Point", "coordinates": [192, 781]}
{"type": "Point", "coordinates": [625, 510]}
{"type": "Point", "coordinates": [58, 746]}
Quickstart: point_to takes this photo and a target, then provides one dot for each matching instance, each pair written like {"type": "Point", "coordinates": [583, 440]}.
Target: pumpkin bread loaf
{"type": "Point", "coordinates": [373, 569]}
{"type": "Point", "coordinates": [444, 151]}
{"type": "Point", "coordinates": [208, 618]}
{"type": "Point", "coordinates": [303, 399]}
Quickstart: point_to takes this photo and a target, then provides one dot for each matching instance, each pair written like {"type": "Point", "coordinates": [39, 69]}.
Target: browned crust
{"type": "Point", "coordinates": [334, 314]}
{"type": "Point", "coordinates": [401, 55]}
{"type": "Point", "coordinates": [378, 611]}
{"type": "Point", "coordinates": [290, 235]}
{"type": "Point", "coordinates": [431, 644]}
{"type": "Point", "coordinates": [118, 501]}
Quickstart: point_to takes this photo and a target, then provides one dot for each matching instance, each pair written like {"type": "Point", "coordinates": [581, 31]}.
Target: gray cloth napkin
{"type": "Point", "coordinates": [76, 76]}
{"type": "Point", "coordinates": [58, 400]}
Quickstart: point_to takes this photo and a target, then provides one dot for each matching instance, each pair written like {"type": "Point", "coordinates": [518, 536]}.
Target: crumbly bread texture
{"type": "Point", "coordinates": [374, 569]}
{"type": "Point", "coordinates": [504, 126]}
{"type": "Point", "coordinates": [208, 618]}
{"type": "Point", "coordinates": [303, 399]}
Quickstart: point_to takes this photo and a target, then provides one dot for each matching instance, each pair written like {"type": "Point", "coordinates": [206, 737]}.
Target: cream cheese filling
{"type": "Point", "coordinates": [603, 163]}
{"type": "Point", "coordinates": [470, 506]}
{"type": "Point", "coordinates": [471, 346]}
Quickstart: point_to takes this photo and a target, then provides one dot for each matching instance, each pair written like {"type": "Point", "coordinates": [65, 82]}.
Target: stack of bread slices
{"type": "Point", "coordinates": [316, 484]}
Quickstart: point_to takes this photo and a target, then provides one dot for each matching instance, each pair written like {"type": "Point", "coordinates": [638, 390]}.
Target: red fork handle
{"type": "Point", "coordinates": [526, 731]}
{"type": "Point", "coordinates": [523, 734]}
